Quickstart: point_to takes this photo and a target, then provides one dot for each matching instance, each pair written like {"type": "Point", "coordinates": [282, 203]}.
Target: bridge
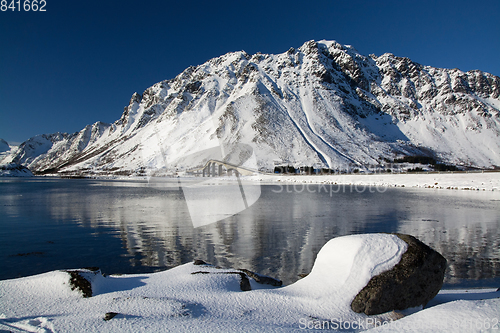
{"type": "Point", "coordinates": [216, 168]}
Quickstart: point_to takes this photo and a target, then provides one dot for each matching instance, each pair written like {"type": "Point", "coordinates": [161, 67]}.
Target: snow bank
{"type": "Point", "coordinates": [487, 181]}
{"type": "Point", "coordinates": [477, 315]}
{"type": "Point", "coordinates": [202, 298]}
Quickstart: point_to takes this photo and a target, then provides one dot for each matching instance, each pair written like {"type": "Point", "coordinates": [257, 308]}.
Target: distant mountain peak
{"type": "Point", "coordinates": [4, 146]}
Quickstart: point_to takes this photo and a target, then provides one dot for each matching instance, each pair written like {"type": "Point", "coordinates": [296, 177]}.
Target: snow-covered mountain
{"type": "Point", "coordinates": [323, 104]}
{"type": "Point", "coordinates": [11, 169]}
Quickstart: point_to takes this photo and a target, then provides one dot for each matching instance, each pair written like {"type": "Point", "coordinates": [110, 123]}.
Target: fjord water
{"type": "Point", "coordinates": [132, 226]}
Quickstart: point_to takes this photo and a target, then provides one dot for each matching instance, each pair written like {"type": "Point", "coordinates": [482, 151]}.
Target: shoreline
{"type": "Point", "coordinates": [197, 294]}
{"type": "Point", "coordinates": [468, 181]}
{"type": "Point", "coordinates": [477, 181]}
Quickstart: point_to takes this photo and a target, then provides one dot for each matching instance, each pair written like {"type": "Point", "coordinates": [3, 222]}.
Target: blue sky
{"type": "Point", "coordinates": [80, 61]}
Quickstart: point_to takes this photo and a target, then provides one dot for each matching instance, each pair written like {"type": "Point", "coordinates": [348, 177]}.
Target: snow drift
{"type": "Point", "coordinates": [182, 299]}
{"type": "Point", "coordinates": [177, 298]}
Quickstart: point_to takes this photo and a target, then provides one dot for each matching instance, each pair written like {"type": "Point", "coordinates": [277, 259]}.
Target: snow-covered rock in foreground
{"type": "Point", "coordinates": [342, 268]}
{"type": "Point", "coordinates": [177, 300]}
{"type": "Point", "coordinates": [413, 282]}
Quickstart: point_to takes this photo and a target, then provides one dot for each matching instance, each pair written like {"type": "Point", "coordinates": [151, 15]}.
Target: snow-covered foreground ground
{"type": "Point", "coordinates": [487, 181]}
{"type": "Point", "coordinates": [177, 300]}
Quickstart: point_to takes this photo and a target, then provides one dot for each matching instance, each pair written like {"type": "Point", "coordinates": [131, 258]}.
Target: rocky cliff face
{"type": "Point", "coordinates": [323, 104]}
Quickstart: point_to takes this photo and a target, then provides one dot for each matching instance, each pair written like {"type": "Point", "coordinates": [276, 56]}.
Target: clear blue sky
{"type": "Point", "coordinates": [80, 61]}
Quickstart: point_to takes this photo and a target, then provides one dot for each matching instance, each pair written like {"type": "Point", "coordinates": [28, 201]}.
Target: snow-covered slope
{"type": "Point", "coordinates": [11, 169]}
{"type": "Point", "coordinates": [14, 170]}
{"type": "Point", "coordinates": [177, 299]}
{"type": "Point", "coordinates": [323, 104]}
{"type": "Point", "coordinates": [5, 149]}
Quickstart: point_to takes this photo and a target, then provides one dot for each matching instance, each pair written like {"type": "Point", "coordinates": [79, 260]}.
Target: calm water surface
{"type": "Point", "coordinates": [132, 227]}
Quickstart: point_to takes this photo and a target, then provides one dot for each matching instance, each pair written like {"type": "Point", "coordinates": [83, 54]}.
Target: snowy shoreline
{"type": "Point", "coordinates": [475, 181]}
{"type": "Point", "coordinates": [471, 181]}
{"type": "Point", "coordinates": [202, 298]}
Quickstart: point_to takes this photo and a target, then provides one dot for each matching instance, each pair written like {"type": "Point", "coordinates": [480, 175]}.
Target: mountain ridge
{"type": "Point", "coordinates": [323, 104]}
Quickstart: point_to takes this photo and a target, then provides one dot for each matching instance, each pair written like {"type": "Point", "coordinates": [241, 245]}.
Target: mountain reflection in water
{"type": "Point", "coordinates": [133, 227]}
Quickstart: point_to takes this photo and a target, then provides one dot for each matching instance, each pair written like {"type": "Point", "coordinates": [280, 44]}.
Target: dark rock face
{"type": "Point", "coordinates": [244, 282]}
{"type": "Point", "coordinates": [79, 282]}
{"type": "Point", "coordinates": [262, 279]}
{"type": "Point", "coordinates": [109, 315]}
{"type": "Point", "coordinates": [81, 279]}
{"type": "Point", "coordinates": [413, 282]}
{"type": "Point", "coordinates": [16, 169]}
